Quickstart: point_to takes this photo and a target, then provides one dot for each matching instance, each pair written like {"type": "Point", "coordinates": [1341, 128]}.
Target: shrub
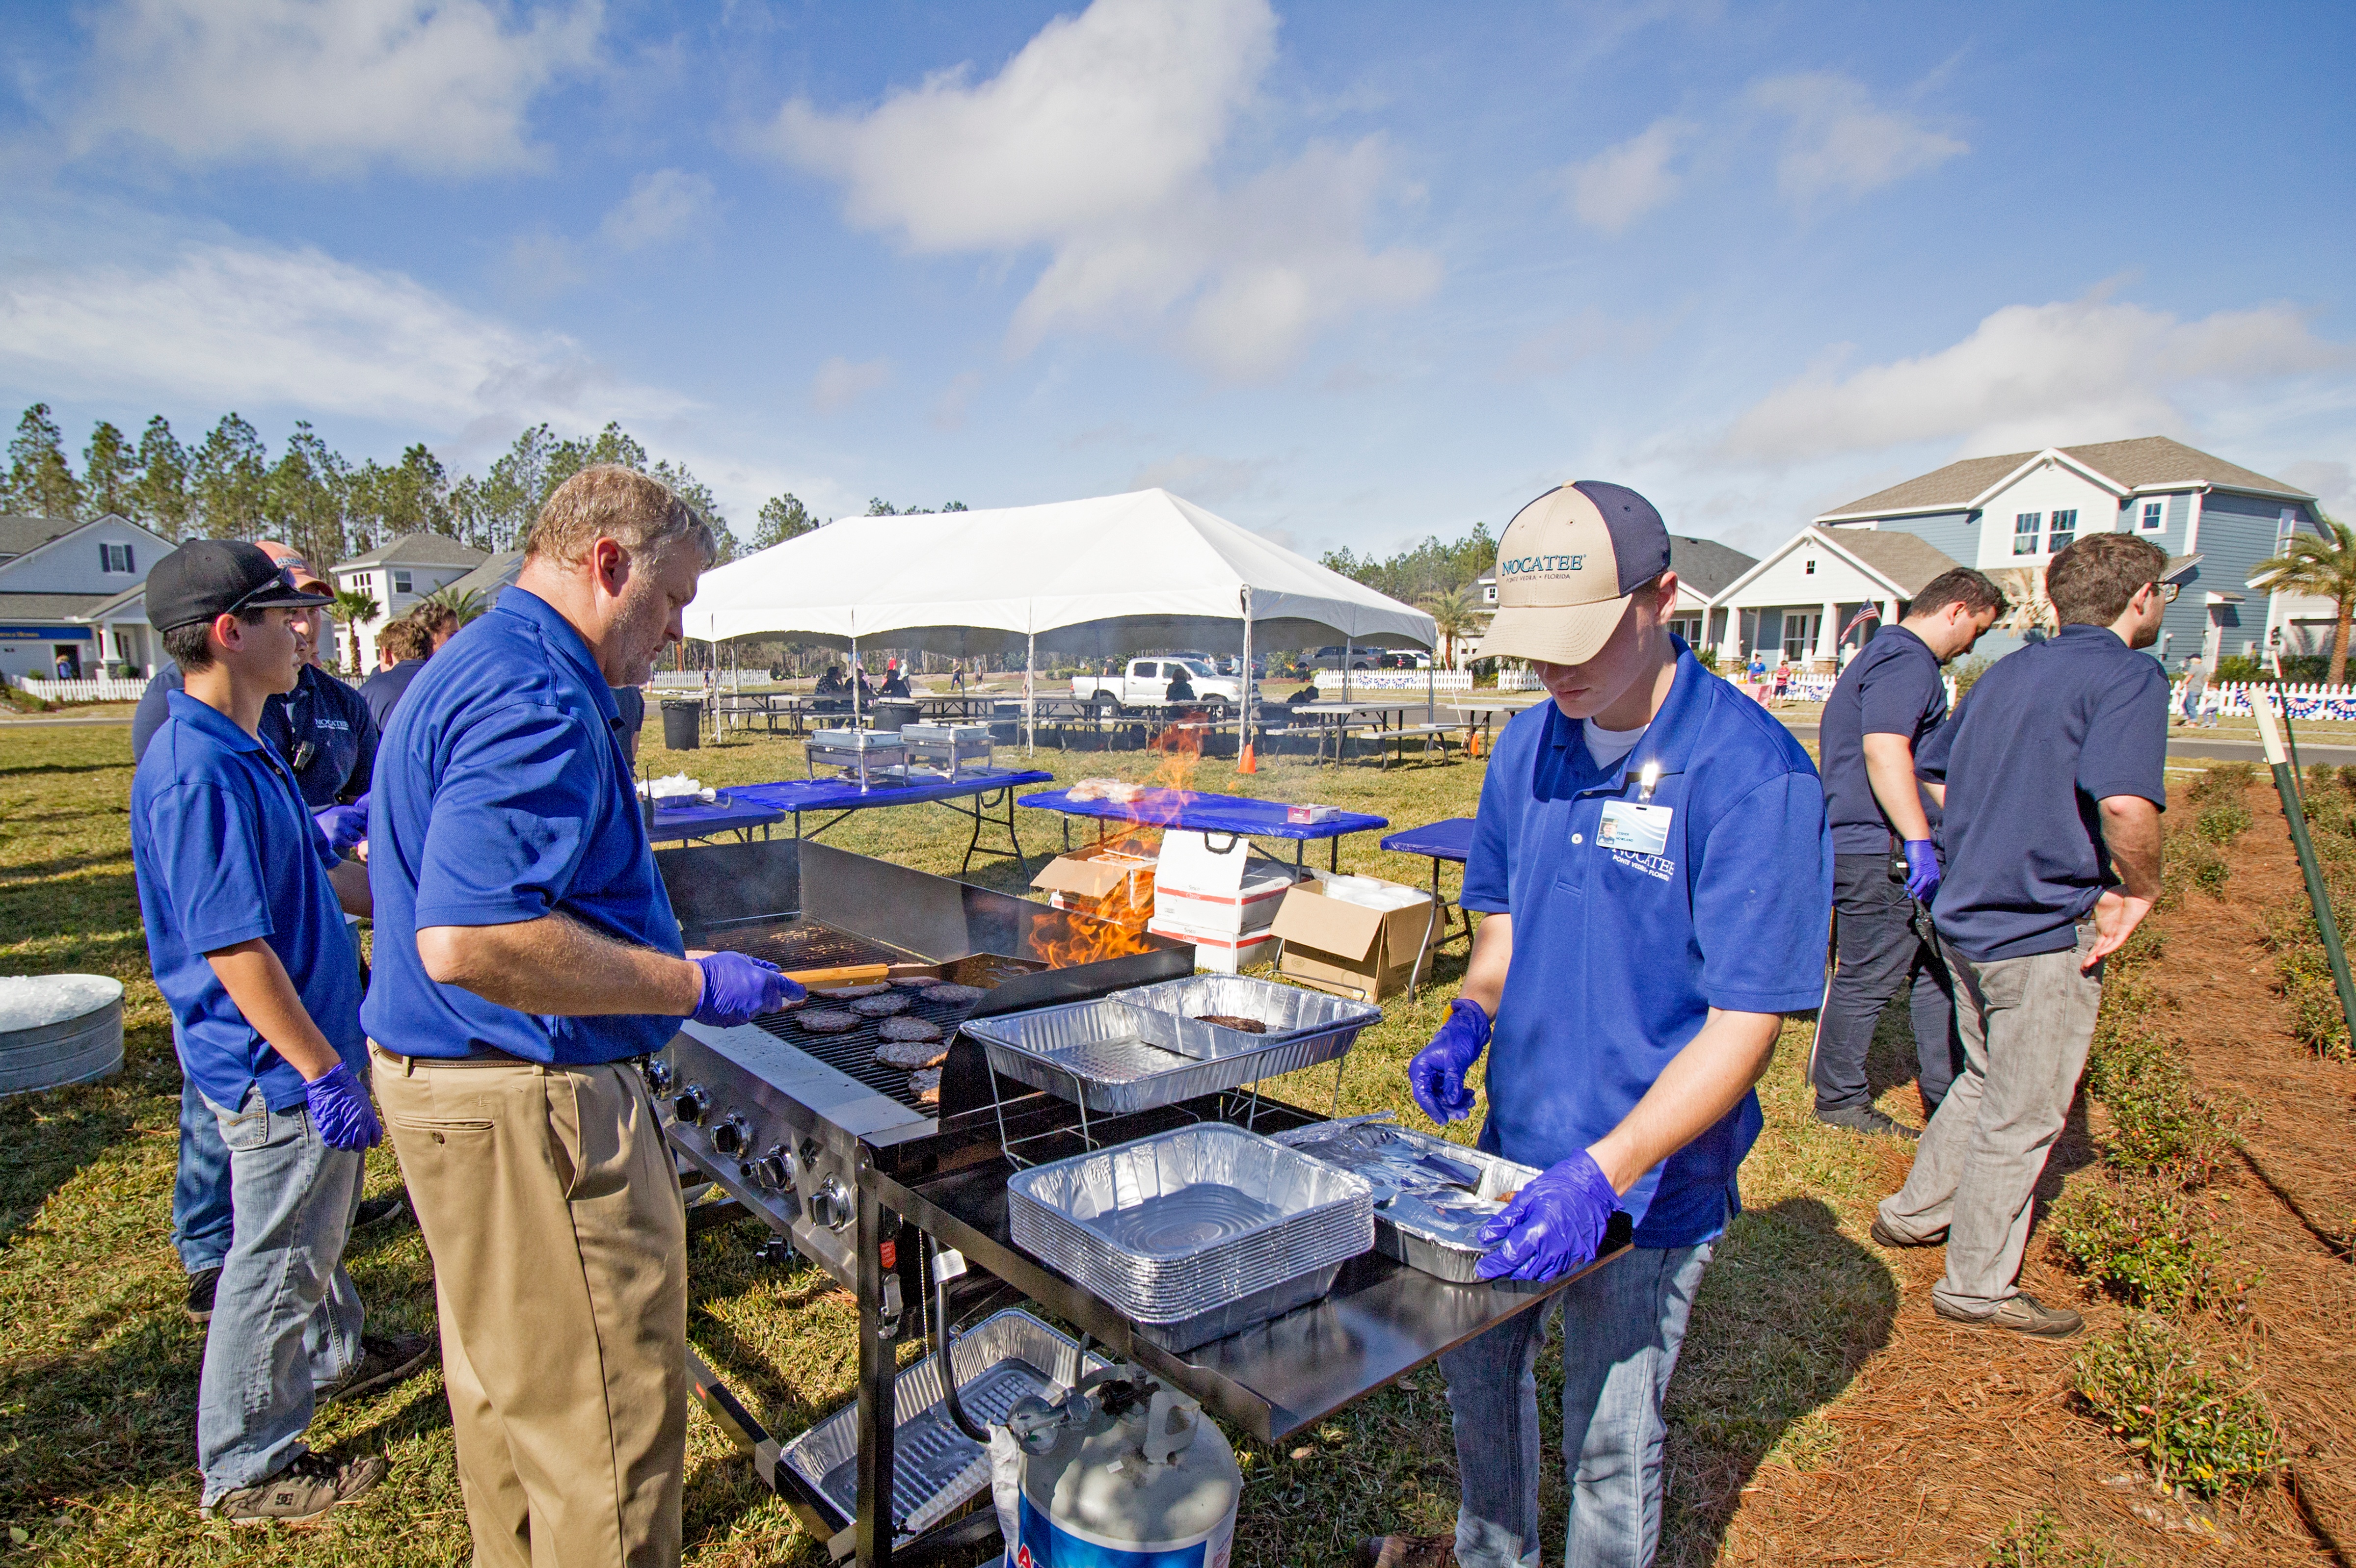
{"type": "Point", "coordinates": [2162, 1126]}
{"type": "Point", "coordinates": [2038, 1543]}
{"type": "Point", "coordinates": [2223, 781]}
{"type": "Point", "coordinates": [2144, 1247]}
{"type": "Point", "coordinates": [1964, 672]}
{"type": "Point", "coordinates": [2224, 822]}
{"type": "Point", "coordinates": [2316, 1019]}
{"type": "Point", "coordinates": [2195, 1428]}
{"type": "Point", "coordinates": [2124, 1050]}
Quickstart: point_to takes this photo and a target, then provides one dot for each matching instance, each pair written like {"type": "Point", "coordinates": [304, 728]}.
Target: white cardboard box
{"type": "Point", "coordinates": [1222, 952]}
{"type": "Point", "coordinates": [1209, 882]}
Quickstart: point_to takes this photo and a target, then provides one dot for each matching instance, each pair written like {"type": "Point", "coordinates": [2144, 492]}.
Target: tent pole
{"type": "Point", "coordinates": [1349, 657]}
{"type": "Point", "coordinates": [855, 680]}
{"type": "Point", "coordinates": [1030, 708]}
{"type": "Point", "coordinates": [1244, 687]}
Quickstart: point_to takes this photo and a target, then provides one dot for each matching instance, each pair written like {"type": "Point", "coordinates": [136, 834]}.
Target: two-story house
{"type": "Point", "coordinates": [2007, 516]}
{"type": "Point", "coordinates": [53, 572]}
{"type": "Point", "coordinates": [398, 575]}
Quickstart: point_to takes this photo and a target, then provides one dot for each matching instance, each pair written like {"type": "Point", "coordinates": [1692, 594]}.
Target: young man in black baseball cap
{"type": "Point", "coordinates": [244, 902]}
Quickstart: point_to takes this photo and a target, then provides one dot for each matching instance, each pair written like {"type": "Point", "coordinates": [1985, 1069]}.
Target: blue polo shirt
{"type": "Point", "coordinates": [322, 711]}
{"type": "Point", "coordinates": [502, 795]}
{"type": "Point", "coordinates": [1891, 688]}
{"type": "Point", "coordinates": [1633, 919]}
{"type": "Point", "coordinates": [2040, 741]}
{"type": "Point", "coordinates": [224, 851]}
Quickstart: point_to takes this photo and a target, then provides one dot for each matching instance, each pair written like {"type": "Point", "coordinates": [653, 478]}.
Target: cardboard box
{"type": "Point", "coordinates": [1351, 949]}
{"type": "Point", "coordinates": [1211, 882]}
{"type": "Point", "coordinates": [1222, 952]}
{"type": "Point", "coordinates": [1102, 882]}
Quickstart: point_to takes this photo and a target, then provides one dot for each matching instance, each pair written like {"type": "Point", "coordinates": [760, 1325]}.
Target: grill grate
{"type": "Point", "coordinates": [797, 944]}
{"type": "Point", "coordinates": [854, 1053]}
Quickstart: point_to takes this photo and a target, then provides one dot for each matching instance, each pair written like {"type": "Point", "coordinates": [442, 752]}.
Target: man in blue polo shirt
{"type": "Point", "coordinates": [526, 953]}
{"type": "Point", "coordinates": [1652, 859]}
{"type": "Point", "coordinates": [1885, 866]}
{"type": "Point", "coordinates": [243, 903]}
{"type": "Point", "coordinates": [2053, 780]}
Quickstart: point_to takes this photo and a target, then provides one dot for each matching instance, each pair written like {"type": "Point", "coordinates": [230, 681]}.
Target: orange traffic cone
{"type": "Point", "coordinates": [1247, 763]}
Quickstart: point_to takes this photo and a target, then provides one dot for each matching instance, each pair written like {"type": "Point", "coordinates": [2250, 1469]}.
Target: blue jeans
{"type": "Point", "coordinates": [286, 1320]}
{"type": "Point", "coordinates": [201, 1216]}
{"type": "Point", "coordinates": [1627, 1322]}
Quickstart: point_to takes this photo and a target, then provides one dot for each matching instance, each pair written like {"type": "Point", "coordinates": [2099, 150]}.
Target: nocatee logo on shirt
{"type": "Point", "coordinates": [1530, 563]}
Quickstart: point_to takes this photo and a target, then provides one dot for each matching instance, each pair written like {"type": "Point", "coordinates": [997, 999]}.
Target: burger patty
{"type": "Point", "coordinates": [1229, 1020]}
{"type": "Point", "coordinates": [926, 1084]}
{"type": "Point", "coordinates": [845, 993]}
{"type": "Point", "coordinates": [907, 1058]}
{"type": "Point", "coordinates": [826, 1021]}
{"type": "Point", "coordinates": [954, 996]}
{"type": "Point", "coordinates": [908, 1031]}
{"type": "Point", "coordinates": [881, 1007]}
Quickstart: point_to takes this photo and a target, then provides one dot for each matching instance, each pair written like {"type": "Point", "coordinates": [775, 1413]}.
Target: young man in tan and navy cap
{"type": "Point", "coordinates": [1656, 881]}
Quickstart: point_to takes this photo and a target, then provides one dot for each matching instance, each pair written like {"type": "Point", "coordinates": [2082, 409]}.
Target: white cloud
{"type": "Point", "coordinates": [948, 410]}
{"type": "Point", "coordinates": [244, 328]}
{"type": "Point", "coordinates": [840, 383]}
{"type": "Point", "coordinates": [1589, 334]}
{"type": "Point", "coordinates": [1096, 143]}
{"type": "Point", "coordinates": [2035, 376]}
{"type": "Point", "coordinates": [659, 205]}
{"type": "Point", "coordinates": [436, 85]}
{"type": "Point", "coordinates": [2333, 484]}
{"type": "Point", "coordinates": [1841, 143]}
{"type": "Point", "coordinates": [1622, 183]}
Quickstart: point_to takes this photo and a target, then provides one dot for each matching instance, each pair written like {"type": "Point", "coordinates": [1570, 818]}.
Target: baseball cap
{"type": "Point", "coordinates": [1566, 566]}
{"type": "Point", "coordinates": [206, 578]}
{"type": "Point", "coordinates": [299, 572]}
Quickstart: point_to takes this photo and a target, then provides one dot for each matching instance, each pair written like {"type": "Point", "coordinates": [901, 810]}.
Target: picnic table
{"type": "Point", "coordinates": [1388, 719]}
{"type": "Point", "coordinates": [736, 814]}
{"type": "Point", "coordinates": [1480, 712]}
{"type": "Point", "coordinates": [1200, 812]}
{"type": "Point", "coordinates": [1449, 839]}
{"type": "Point", "coordinates": [980, 794]}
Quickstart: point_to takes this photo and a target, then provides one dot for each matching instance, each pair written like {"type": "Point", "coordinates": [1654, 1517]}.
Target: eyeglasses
{"type": "Point", "coordinates": [283, 580]}
{"type": "Point", "coordinates": [2169, 591]}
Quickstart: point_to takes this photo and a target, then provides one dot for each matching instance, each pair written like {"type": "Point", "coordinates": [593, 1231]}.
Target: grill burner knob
{"type": "Point", "coordinates": [830, 1205]}
{"type": "Point", "coordinates": [692, 1104]}
{"type": "Point", "coordinates": [731, 1137]}
{"type": "Point", "coordinates": [659, 1076]}
{"type": "Point", "coordinates": [775, 1169]}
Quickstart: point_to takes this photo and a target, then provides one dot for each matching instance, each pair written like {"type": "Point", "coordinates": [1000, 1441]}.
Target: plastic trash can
{"type": "Point", "coordinates": [893, 714]}
{"type": "Point", "coordinates": [682, 723]}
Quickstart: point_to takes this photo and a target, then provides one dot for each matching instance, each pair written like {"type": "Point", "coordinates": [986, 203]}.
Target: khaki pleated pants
{"type": "Point", "coordinates": [552, 1211]}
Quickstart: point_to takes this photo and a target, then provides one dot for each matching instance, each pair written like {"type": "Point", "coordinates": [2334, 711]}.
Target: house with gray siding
{"type": "Point", "coordinates": [2008, 514]}
{"type": "Point", "coordinates": [53, 572]}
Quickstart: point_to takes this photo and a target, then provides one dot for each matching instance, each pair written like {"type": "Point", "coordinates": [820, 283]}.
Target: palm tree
{"type": "Point", "coordinates": [350, 608]}
{"type": "Point", "coordinates": [465, 603]}
{"type": "Point", "coordinates": [1453, 615]}
{"type": "Point", "coordinates": [2324, 567]}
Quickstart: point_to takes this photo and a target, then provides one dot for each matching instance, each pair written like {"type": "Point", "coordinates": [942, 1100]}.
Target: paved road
{"type": "Point", "coordinates": [59, 723]}
{"type": "Point", "coordinates": [2182, 747]}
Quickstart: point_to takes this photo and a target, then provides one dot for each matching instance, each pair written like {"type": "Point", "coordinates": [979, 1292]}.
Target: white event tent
{"type": "Point", "coordinates": [1106, 575]}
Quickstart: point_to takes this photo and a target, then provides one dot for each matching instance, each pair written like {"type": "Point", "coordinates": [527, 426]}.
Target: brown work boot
{"type": "Point", "coordinates": [2023, 1314]}
{"type": "Point", "coordinates": [306, 1489]}
{"type": "Point", "coordinates": [1406, 1552]}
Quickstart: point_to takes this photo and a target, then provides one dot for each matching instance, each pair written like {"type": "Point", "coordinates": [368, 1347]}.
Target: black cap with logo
{"type": "Point", "coordinates": [206, 578]}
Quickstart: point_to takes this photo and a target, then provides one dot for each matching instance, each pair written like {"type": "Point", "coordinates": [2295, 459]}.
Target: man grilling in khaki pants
{"type": "Point", "coordinates": [525, 954]}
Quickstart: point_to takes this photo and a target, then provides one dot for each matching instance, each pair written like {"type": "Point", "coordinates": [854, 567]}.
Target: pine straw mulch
{"type": "Point", "coordinates": [1948, 1435]}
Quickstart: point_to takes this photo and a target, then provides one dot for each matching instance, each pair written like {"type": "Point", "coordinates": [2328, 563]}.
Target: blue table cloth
{"type": "Point", "coordinates": [844, 794]}
{"type": "Point", "coordinates": [1447, 840]}
{"type": "Point", "coordinates": [1202, 813]}
{"type": "Point", "coordinates": [739, 815]}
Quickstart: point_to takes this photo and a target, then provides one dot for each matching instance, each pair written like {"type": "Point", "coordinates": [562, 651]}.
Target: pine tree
{"type": "Point", "coordinates": [40, 479]}
{"type": "Point", "coordinates": [782, 518]}
{"type": "Point", "coordinates": [231, 474]}
{"type": "Point", "coordinates": [108, 467]}
{"type": "Point", "coordinates": [159, 497]}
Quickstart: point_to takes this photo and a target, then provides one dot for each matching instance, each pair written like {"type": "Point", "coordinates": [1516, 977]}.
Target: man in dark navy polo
{"type": "Point", "coordinates": [2053, 777]}
{"type": "Point", "coordinates": [326, 735]}
{"type": "Point", "coordinates": [243, 903]}
{"type": "Point", "coordinates": [1885, 866]}
{"type": "Point", "coordinates": [1652, 860]}
{"type": "Point", "coordinates": [526, 953]}
{"type": "Point", "coordinates": [402, 647]}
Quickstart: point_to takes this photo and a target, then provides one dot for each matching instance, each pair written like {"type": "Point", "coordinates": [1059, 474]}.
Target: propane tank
{"type": "Point", "coordinates": [1123, 1472]}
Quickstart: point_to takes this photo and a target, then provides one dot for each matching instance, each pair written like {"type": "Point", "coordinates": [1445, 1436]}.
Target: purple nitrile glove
{"type": "Point", "coordinates": [340, 1108]}
{"type": "Point", "coordinates": [1922, 868]}
{"type": "Point", "coordinates": [344, 826]}
{"type": "Point", "coordinates": [1553, 1225]}
{"type": "Point", "coordinates": [737, 988]}
{"type": "Point", "coordinates": [1436, 1076]}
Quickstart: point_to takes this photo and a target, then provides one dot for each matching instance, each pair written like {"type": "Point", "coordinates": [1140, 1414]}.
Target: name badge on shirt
{"type": "Point", "coordinates": [1639, 829]}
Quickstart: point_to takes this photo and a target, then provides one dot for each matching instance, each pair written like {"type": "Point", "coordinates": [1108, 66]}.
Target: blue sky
{"type": "Point", "coordinates": [1345, 273]}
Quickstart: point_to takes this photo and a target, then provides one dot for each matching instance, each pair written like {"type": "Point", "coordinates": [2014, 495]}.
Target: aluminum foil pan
{"type": "Point", "coordinates": [1288, 1012]}
{"type": "Point", "coordinates": [936, 1468]}
{"type": "Point", "coordinates": [1113, 1056]}
{"type": "Point", "coordinates": [1431, 1197]}
{"type": "Point", "coordinates": [1192, 1222]}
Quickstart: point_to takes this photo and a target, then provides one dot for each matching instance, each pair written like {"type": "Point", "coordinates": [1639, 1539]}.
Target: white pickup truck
{"type": "Point", "coordinates": [1148, 681]}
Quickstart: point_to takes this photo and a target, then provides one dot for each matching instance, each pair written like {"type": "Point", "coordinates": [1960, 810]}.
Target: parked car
{"type": "Point", "coordinates": [1148, 681]}
{"type": "Point", "coordinates": [1370, 658]}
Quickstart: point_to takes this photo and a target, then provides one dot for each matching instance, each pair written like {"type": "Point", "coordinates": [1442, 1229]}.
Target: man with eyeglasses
{"type": "Point", "coordinates": [2051, 781]}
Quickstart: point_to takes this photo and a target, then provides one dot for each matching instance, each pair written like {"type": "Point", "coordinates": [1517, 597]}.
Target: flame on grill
{"type": "Point", "coordinates": [1117, 928]}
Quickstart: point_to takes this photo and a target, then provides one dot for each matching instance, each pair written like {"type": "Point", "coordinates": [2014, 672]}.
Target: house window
{"type": "Point", "coordinates": [2065, 529]}
{"type": "Point", "coordinates": [2155, 514]}
{"type": "Point", "coordinates": [2025, 529]}
{"type": "Point", "coordinates": [114, 558]}
{"type": "Point", "coordinates": [1800, 633]}
{"type": "Point", "coordinates": [400, 581]}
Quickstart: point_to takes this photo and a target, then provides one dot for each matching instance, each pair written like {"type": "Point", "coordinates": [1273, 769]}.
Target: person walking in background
{"type": "Point", "coordinates": [2050, 779]}
{"type": "Point", "coordinates": [1885, 866]}
{"type": "Point", "coordinates": [1783, 677]}
{"type": "Point", "coordinates": [2196, 686]}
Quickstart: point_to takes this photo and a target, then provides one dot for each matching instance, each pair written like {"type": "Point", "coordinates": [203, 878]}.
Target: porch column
{"type": "Point", "coordinates": [1828, 634]}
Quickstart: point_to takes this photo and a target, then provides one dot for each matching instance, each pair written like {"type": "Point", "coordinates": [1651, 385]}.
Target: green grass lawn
{"type": "Point", "coordinates": [98, 1366]}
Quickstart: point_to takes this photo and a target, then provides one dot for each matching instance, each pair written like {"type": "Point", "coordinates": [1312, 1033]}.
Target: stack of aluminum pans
{"type": "Point", "coordinates": [1142, 1049]}
{"type": "Point", "coordinates": [1195, 1233]}
{"type": "Point", "coordinates": [936, 1468]}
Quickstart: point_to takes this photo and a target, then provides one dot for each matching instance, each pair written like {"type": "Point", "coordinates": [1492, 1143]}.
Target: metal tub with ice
{"type": "Point", "coordinates": [56, 1030]}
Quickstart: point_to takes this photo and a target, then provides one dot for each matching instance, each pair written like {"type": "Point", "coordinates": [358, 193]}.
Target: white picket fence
{"type": "Point", "coordinates": [2230, 700]}
{"type": "Point", "coordinates": [104, 689]}
{"type": "Point", "coordinates": [1408, 679]}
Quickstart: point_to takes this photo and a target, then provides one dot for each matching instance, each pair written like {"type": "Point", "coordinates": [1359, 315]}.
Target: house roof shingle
{"type": "Point", "coordinates": [415, 550]}
{"type": "Point", "coordinates": [46, 609]}
{"type": "Point", "coordinates": [490, 577]}
{"type": "Point", "coordinates": [1706, 566]}
{"type": "Point", "coordinates": [1906, 560]}
{"type": "Point", "coordinates": [2151, 460]}
{"type": "Point", "coordinates": [19, 534]}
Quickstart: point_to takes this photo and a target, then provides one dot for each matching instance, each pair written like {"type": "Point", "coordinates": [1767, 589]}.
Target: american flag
{"type": "Point", "coordinates": [1868, 611]}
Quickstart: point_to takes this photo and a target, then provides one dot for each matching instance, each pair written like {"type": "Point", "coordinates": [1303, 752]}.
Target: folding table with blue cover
{"type": "Point", "coordinates": [1200, 812]}
{"type": "Point", "coordinates": [1449, 840]}
{"type": "Point", "coordinates": [978, 795]}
